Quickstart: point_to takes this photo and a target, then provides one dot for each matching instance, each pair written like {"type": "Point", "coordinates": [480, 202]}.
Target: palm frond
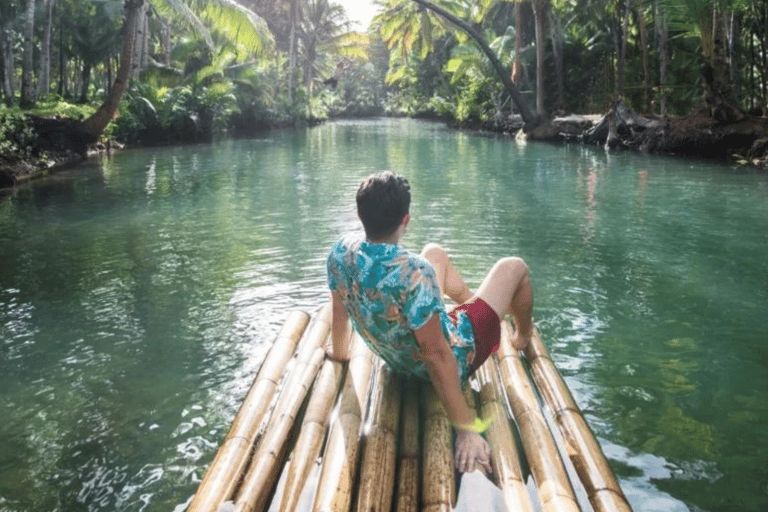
{"type": "Point", "coordinates": [181, 12]}
{"type": "Point", "coordinates": [241, 25]}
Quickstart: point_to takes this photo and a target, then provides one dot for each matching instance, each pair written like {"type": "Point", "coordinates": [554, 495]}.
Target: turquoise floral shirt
{"type": "Point", "coordinates": [388, 292]}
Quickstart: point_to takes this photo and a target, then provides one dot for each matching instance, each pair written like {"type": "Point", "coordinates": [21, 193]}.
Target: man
{"type": "Point", "coordinates": [394, 300]}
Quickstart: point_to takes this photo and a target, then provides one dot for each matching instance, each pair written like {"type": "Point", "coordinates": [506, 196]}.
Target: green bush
{"type": "Point", "coordinates": [17, 139]}
{"type": "Point", "coordinates": [55, 106]}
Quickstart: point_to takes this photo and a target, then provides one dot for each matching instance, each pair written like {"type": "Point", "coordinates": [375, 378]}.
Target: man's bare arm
{"type": "Point", "coordinates": [471, 448]}
{"type": "Point", "coordinates": [340, 335]}
{"type": "Point", "coordinates": [443, 371]}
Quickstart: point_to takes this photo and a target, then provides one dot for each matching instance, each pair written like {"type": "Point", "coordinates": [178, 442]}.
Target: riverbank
{"type": "Point", "coordinates": [697, 135]}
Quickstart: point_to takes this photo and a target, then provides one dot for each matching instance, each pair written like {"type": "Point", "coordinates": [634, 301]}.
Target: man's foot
{"type": "Point", "coordinates": [521, 341]}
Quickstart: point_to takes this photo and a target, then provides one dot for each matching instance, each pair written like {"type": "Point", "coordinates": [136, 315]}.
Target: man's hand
{"type": "Point", "coordinates": [471, 449]}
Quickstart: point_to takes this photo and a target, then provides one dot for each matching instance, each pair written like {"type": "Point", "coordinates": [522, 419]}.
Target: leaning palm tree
{"type": "Point", "coordinates": [529, 118]}
{"type": "Point", "coordinates": [232, 20]}
{"type": "Point", "coordinates": [408, 29]}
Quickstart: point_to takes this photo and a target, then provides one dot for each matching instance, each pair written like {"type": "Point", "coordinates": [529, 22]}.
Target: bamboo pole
{"type": "Point", "coordinates": [312, 435]}
{"type": "Point", "coordinates": [339, 468]}
{"type": "Point", "coordinates": [506, 460]}
{"type": "Point", "coordinates": [408, 467]}
{"type": "Point", "coordinates": [315, 333]}
{"type": "Point", "coordinates": [603, 490]}
{"type": "Point", "coordinates": [266, 463]}
{"type": "Point", "coordinates": [377, 474]}
{"type": "Point", "coordinates": [555, 491]}
{"type": "Point", "coordinates": [438, 475]}
{"type": "Point", "coordinates": [222, 475]}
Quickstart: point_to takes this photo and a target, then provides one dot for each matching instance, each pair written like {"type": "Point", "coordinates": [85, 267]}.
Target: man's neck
{"type": "Point", "coordinates": [391, 240]}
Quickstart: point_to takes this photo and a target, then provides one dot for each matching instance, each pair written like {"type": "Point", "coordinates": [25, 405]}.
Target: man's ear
{"type": "Point", "coordinates": [406, 219]}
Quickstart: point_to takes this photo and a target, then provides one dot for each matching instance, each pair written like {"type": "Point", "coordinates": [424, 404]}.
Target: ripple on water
{"type": "Point", "coordinates": [175, 268]}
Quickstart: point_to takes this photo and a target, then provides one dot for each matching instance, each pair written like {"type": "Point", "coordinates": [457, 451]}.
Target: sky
{"type": "Point", "coordinates": [360, 11]}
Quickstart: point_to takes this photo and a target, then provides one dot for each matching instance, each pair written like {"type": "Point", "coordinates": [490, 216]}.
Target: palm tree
{"type": "Point", "coordinates": [705, 20]}
{"type": "Point", "coordinates": [528, 118]}
{"type": "Point", "coordinates": [44, 77]}
{"type": "Point", "coordinates": [295, 18]}
{"type": "Point", "coordinates": [27, 90]}
{"type": "Point", "coordinates": [407, 29]}
{"type": "Point", "coordinates": [662, 48]}
{"type": "Point", "coordinates": [324, 35]}
{"type": "Point", "coordinates": [95, 39]}
{"type": "Point", "coordinates": [232, 20]}
{"type": "Point", "coordinates": [7, 15]}
{"type": "Point", "coordinates": [539, 14]}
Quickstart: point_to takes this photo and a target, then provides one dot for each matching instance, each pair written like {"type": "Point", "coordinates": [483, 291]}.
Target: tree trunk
{"type": "Point", "coordinates": [662, 38]}
{"type": "Point", "coordinates": [719, 101]}
{"type": "Point", "coordinates": [44, 76]}
{"type": "Point", "coordinates": [556, 33]}
{"type": "Point", "coordinates": [139, 42]}
{"type": "Point", "coordinates": [3, 72]}
{"type": "Point", "coordinates": [622, 51]}
{"type": "Point", "coordinates": [100, 119]}
{"type": "Point", "coordinates": [62, 87]}
{"type": "Point", "coordinates": [764, 53]}
{"type": "Point", "coordinates": [109, 73]}
{"type": "Point", "coordinates": [166, 42]}
{"type": "Point", "coordinates": [539, 8]}
{"type": "Point", "coordinates": [517, 62]}
{"type": "Point", "coordinates": [732, 32]}
{"type": "Point", "coordinates": [6, 54]}
{"type": "Point", "coordinates": [27, 89]}
{"type": "Point", "coordinates": [644, 52]}
{"type": "Point", "coordinates": [528, 117]}
{"type": "Point", "coordinates": [144, 62]}
{"type": "Point", "coordinates": [292, 50]}
{"type": "Point", "coordinates": [85, 82]}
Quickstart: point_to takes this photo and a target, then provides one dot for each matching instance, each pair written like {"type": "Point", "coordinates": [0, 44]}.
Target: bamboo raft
{"type": "Point", "coordinates": [314, 435]}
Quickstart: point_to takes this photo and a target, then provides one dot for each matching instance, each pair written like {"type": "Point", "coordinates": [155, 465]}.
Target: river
{"type": "Point", "coordinates": [140, 292]}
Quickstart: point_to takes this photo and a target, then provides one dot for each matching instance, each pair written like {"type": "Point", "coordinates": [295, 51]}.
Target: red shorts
{"type": "Point", "coordinates": [486, 327]}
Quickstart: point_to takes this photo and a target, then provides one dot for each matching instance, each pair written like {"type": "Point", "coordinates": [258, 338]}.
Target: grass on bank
{"type": "Point", "coordinates": [17, 140]}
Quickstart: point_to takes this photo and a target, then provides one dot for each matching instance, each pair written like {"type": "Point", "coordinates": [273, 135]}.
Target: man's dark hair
{"type": "Point", "coordinates": [382, 201]}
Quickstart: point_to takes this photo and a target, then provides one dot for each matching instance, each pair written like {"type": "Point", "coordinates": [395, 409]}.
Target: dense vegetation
{"type": "Point", "coordinates": [173, 71]}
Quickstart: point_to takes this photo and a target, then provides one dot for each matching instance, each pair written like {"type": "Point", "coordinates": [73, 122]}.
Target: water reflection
{"type": "Point", "coordinates": [140, 294]}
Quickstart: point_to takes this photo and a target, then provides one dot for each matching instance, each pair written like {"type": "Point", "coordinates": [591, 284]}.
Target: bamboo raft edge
{"type": "Point", "coordinates": [384, 443]}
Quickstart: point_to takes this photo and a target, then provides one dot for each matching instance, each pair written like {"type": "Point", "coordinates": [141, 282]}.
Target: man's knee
{"type": "Point", "coordinates": [514, 266]}
{"type": "Point", "coordinates": [434, 253]}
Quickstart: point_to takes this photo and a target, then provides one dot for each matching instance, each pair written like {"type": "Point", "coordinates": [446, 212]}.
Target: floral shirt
{"type": "Point", "coordinates": [388, 293]}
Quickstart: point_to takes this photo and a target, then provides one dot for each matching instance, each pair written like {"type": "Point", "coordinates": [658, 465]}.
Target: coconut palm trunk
{"type": "Point", "coordinates": [95, 124]}
{"type": "Point", "coordinates": [539, 12]}
{"type": "Point", "coordinates": [622, 47]}
{"type": "Point", "coordinates": [6, 52]}
{"type": "Point", "coordinates": [556, 34]}
{"type": "Point", "coordinates": [643, 27]}
{"type": "Point", "coordinates": [44, 76]}
{"type": "Point", "coordinates": [27, 89]}
{"type": "Point", "coordinates": [294, 21]}
{"type": "Point", "coordinates": [140, 43]}
{"type": "Point", "coordinates": [662, 37]}
{"type": "Point", "coordinates": [517, 62]}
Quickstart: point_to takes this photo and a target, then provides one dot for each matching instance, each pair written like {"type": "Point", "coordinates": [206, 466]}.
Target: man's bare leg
{"type": "Point", "coordinates": [448, 278]}
{"type": "Point", "coordinates": [507, 289]}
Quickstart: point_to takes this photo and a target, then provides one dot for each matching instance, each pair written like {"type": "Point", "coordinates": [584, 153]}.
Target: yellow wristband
{"type": "Point", "coordinates": [478, 425]}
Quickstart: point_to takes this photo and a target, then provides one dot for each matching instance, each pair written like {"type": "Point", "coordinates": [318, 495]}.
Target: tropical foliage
{"type": "Point", "coordinates": [200, 67]}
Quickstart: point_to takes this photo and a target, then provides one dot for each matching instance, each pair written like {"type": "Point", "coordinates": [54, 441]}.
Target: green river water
{"type": "Point", "coordinates": [139, 294]}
